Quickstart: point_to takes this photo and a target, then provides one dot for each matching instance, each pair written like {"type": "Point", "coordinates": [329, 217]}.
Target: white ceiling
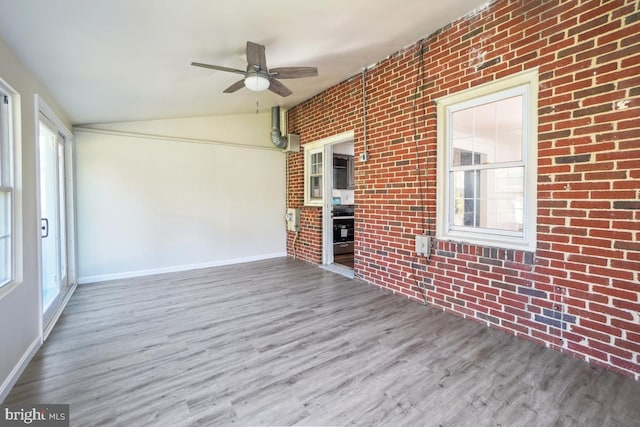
{"type": "Point", "coordinates": [123, 60]}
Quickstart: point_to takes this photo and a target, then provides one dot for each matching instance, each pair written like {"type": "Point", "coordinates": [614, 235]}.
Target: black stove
{"type": "Point", "coordinates": [343, 223]}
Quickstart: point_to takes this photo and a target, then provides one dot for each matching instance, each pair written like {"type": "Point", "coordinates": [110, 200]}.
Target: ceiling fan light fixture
{"type": "Point", "coordinates": [256, 82]}
{"type": "Point", "coordinates": [258, 77]}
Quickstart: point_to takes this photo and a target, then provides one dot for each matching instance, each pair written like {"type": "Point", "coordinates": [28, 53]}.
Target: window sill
{"type": "Point", "coordinates": [489, 241]}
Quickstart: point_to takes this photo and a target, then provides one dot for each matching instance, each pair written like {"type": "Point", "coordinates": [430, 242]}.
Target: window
{"type": "Point", "coordinates": [487, 161]}
{"type": "Point", "coordinates": [6, 189]}
{"type": "Point", "coordinates": [315, 175]}
{"type": "Point", "coordinates": [315, 166]}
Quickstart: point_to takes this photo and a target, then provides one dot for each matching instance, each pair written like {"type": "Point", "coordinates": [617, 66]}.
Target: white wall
{"type": "Point", "coordinates": [177, 194]}
{"type": "Point", "coordinates": [20, 316]}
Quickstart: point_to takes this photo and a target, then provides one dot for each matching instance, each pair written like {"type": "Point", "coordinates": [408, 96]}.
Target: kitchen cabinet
{"type": "Point", "coordinates": [343, 172]}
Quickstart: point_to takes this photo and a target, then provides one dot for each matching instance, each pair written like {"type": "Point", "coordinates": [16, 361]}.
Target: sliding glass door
{"type": "Point", "coordinates": [53, 218]}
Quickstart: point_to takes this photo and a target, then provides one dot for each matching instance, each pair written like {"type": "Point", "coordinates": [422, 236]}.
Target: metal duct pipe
{"type": "Point", "coordinates": [276, 137]}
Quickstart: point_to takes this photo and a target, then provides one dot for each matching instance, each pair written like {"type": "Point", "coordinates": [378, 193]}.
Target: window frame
{"type": "Point", "coordinates": [525, 84]}
{"type": "Point", "coordinates": [10, 180]}
{"type": "Point", "coordinates": [309, 199]}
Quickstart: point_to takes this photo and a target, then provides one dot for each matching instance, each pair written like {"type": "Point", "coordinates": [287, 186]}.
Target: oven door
{"type": "Point", "coordinates": [342, 230]}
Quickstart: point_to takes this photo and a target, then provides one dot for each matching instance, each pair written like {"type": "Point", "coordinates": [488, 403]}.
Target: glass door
{"type": "Point", "coordinates": [53, 218]}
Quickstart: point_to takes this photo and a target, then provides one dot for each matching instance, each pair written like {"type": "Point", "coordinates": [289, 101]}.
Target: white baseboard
{"type": "Point", "coordinates": [173, 269]}
{"type": "Point", "coordinates": [48, 328]}
{"type": "Point", "coordinates": [13, 377]}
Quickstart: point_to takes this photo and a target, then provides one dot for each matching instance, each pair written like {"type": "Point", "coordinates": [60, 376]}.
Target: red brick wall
{"type": "Point", "coordinates": [580, 291]}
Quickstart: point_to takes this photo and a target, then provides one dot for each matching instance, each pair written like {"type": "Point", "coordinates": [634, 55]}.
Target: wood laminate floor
{"type": "Point", "coordinates": [281, 342]}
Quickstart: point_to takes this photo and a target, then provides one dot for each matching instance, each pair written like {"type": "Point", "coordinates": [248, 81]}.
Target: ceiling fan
{"type": "Point", "coordinates": [258, 77]}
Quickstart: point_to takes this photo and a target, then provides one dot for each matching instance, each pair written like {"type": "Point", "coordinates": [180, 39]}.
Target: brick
{"type": "Point", "coordinates": [634, 338]}
{"type": "Point", "coordinates": [588, 174]}
{"type": "Point", "coordinates": [589, 333]}
{"type": "Point", "coordinates": [627, 305]}
{"type": "Point", "coordinates": [632, 18]}
{"type": "Point", "coordinates": [610, 272]}
{"type": "Point", "coordinates": [559, 316]}
{"type": "Point", "coordinates": [556, 323]}
{"type": "Point", "coordinates": [610, 311]}
{"type": "Point", "coordinates": [573, 159]}
{"type": "Point", "coordinates": [580, 349]}
{"type": "Point", "coordinates": [626, 204]}
{"type": "Point", "coordinates": [632, 246]}
{"type": "Point", "coordinates": [626, 364]}
{"type": "Point", "coordinates": [600, 327]}
{"type": "Point", "coordinates": [618, 54]}
{"type": "Point", "coordinates": [610, 349]}
{"type": "Point", "coordinates": [633, 134]}
{"type": "Point", "coordinates": [628, 326]}
{"type": "Point", "coordinates": [616, 293]}
{"type": "Point", "coordinates": [594, 90]}
{"type": "Point", "coordinates": [590, 111]}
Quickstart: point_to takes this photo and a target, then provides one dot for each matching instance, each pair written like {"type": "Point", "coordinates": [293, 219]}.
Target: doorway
{"type": "Point", "coordinates": [338, 224]}
{"type": "Point", "coordinates": [54, 219]}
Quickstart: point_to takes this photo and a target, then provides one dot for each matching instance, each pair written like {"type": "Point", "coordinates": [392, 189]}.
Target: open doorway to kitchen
{"type": "Point", "coordinates": [339, 207]}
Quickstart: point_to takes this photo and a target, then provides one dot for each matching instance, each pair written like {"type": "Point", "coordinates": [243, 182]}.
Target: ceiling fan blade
{"type": "Point", "coordinates": [219, 68]}
{"type": "Point", "coordinates": [235, 87]}
{"type": "Point", "coordinates": [278, 88]}
{"type": "Point", "coordinates": [293, 72]}
{"type": "Point", "coordinates": [256, 56]}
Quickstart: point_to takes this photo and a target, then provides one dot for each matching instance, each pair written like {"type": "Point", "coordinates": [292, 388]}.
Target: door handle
{"type": "Point", "coordinates": [45, 227]}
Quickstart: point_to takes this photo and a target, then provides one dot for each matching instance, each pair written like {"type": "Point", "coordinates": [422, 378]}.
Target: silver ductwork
{"type": "Point", "coordinates": [276, 136]}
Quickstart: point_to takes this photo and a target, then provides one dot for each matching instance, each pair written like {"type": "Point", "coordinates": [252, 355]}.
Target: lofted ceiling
{"type": "Point", "coordinates": [125, 60]}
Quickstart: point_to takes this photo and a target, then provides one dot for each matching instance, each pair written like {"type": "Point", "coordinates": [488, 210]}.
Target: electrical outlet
{"type": "Point", "coordinates": [364, 156]}
{"type": "Point", "coordinates": [423, 245]}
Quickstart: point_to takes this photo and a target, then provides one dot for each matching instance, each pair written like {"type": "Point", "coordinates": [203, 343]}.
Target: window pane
{"type": "Point", "coordinates": [492, 132]}
{"type": "Point", "coordinates": [509, 146]}
{"type": "Point", "coordinates": [5, 211]}
{"type": "Point", "coordinates": [316, 164]}
{"type": "Point", "coordinates": [5, 260]}
{"type": "Point", "coordinates": [462, 138]}
{"type": "Point", "coordinates": [315, 184]}
{"type": "Point", "coordinates": [462, 125]}
{"type": "Point", "coordinates": [485, 129]}
{"type": "Point", "coordinates": [509, 134]}
{"type": "Point", "coordinates": [505, 196]}
{"type": "Point", "coordinates": [62, 207]}
{"type": "Point", "coordinates": [5, 237]}
{"type": "Point", "coordinates": [492, 198]}
{"type": "Point", "coordinates": [466, 196]}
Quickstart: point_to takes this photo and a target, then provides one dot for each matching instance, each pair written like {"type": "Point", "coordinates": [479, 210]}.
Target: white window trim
{"type": "Point", "coordinates": [315, 147]}
{"type": "Point", "coordinates": [15, 155]}
{"type": "Point", "coordinates": [526, 240]}
{"type": "Point", "coordinates": [308, 155]}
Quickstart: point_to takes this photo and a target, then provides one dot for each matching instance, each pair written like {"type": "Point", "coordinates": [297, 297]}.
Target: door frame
{"type": "Point", "coordinates": [42, 108]}
{"type": "Point", "coordinates": [327, 191]}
